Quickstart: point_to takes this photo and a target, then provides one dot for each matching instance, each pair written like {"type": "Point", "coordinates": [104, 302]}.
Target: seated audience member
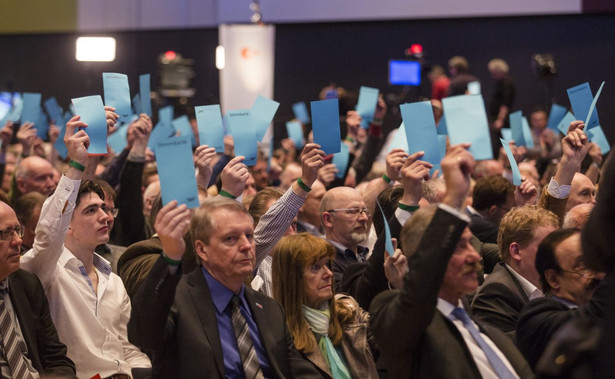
{"type": "Point", "coordinates": [422, 329]}
{"type": "Point", "coordinates": [514, 281]}
{"type": "Point", "coordinates": [345, 220]}
{"type": "Point", "coordinates": [568, 286]}
{"type": "Point", "coordinates": [493, 196]}
{"type": "Point", "coordinates": [110, 252]}
{"type": "Point", "coordinates": [308, 218]}
{"type": "Point", "coordinates": [150, 194]}
{"type": "Point", "coordinates": [28, 209]}
{"type": "Point", "coordinates": [208, 324]}
{"type": "Point", "coordinates": [546, 141]}
{"type": "Point", "coordinates": [88, 302]}
{"type": "Point", "coordinates": [291, 172]}
{"type": "Point", "coordinates": [582, 191]}
{"type": "Point", "coordinates": [30, 343]}
{"type": "Point", "coordinates": [330, 334]}
{"type": "Point", "coordinates": [488, 167]}
{"type": "Point", "coordinates": [33, 174]}
{"type": "Point", "coordinates": [577, 216]}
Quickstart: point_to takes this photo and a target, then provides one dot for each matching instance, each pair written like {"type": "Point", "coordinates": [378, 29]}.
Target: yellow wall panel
{"type": "Point", "coordinates": [37, 16]}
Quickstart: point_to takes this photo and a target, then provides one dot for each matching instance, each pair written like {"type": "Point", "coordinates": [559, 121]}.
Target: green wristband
{"type": "Point", "coordinates": [409, 208]}
{"type": "Point", "coordinates": [386, 178]}
{"type": "Point", "coordinates": [170, 262]}
{"type": "Point", "coordinates": [226, 194]}
{"type": "Point", "coordinates": [77, 165]}
{"type": "Point", "coordinates": [303, 185]}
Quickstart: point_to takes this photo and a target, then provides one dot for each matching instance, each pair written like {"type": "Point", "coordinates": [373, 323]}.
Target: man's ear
{"type": "Point", "coordinates": [21, 185]}
{"type": "Point", "coordinates": [552, 279]}
{"type": "Point", "coordinates": [201, 251]}
{"type": "Point", "coordinates": [326, 219]}
{"type": "Point", "coordinates": [513, 251]}
{"type": "Point", "coordinates": [492, 210]}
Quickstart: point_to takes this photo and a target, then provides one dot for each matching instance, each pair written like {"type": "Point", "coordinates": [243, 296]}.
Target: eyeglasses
{"type": "Point", "coordinates": [111, 211]}
{"type": "Point", "coordinates": [351, 211]}
{"type": "Point", "coordinates": [7, 234]}
{"type": "Point", "coordinates": [584, 273]}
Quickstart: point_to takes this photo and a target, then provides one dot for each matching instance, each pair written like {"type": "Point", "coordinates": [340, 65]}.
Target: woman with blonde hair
{"type": "Point", "coordinates": [331, 334]}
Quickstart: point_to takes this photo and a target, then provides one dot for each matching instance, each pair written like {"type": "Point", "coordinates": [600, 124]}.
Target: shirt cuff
{"type": "Point", "coordinates": [557, 191]}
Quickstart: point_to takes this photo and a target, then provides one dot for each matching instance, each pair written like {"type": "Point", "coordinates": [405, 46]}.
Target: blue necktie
{"type": "Point", "coordinates": [498, 366]}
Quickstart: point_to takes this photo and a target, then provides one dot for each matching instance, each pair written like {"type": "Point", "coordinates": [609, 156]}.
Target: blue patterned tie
{"type": "Point", "coordinates": [498, 366]}
{"type": "Point", "coordinates": [249, 359]}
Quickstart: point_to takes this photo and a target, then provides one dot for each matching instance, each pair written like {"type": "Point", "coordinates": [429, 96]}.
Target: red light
{"type": "Point", "coordinates": [170, 55]}
{"type": "Point", "coordinates": [416, 49]}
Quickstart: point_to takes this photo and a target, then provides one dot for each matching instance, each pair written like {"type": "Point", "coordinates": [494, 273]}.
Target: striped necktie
{"type": "Point", "coordinates": [498, 365]}
{"type": "Point", "coordinates": [12, 344]}
{"type": "Point", "coordinates": [249, 359]}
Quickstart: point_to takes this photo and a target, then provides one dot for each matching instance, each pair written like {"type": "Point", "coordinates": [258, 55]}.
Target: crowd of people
{"type": "Point", "coordinates": [289, 268]}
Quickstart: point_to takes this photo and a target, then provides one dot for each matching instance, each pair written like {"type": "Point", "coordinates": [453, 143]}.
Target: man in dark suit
{"type": "Point", "coordinates": [422, 329]}
{"type": "Point", "coordinates": [188, 325]}
{"type": "Point", "coordinates": [25, 300]}
{"type": "Point", "coordinates": [492, 197]}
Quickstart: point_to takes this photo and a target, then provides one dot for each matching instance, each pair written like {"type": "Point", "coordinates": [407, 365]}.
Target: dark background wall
{"type": "Point", "coordinates": [310, 56]}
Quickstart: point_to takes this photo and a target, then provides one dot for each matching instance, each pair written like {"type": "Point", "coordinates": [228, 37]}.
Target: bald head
{"type": "Point", "coordinates": [291, 172]}
{"type": "Point", "coordinates": [149, 196]}
{"type": "Point", "coordinates": [578, 216]}
{"type": "Point", "coordinates": [35, 174]}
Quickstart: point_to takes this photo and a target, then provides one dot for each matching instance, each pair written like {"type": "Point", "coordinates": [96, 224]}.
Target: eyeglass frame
{"type": "Point", "coordinates": [7, 234]}
{"type": "Point", "coordinates": [583, 273]}
{"type": "Point", "coordinates": [351, 211]}
{"type": "Point", "coordinates": [113, 211]}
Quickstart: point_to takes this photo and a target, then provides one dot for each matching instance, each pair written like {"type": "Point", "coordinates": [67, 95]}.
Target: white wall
{"type": "Point", "coordinates": [109, 15]}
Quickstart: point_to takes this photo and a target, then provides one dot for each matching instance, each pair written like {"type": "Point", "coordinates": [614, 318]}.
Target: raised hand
{"type": "Point", "coordinates": [413, 172]}
{"type": "Point", "coordinates": [457, 166]}
{"type": "Point", "coordinates": [172, 222]}
{"type": "Point", "coordinates": [203, 156]}
{"type": "Point", "coordinates": [234, 176]}
{"type": "Point", "coordinates": [526, 193]}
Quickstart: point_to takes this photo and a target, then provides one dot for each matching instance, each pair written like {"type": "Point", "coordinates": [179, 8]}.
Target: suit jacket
{"type": "Point", "coordinates": [484, 230]}
{"type": "Point", "coordinates": [415, 339]}
{"type": "Point", "coordinates": [47, 353]}
{"type": "Point", "coordinates": [499, 300]}
{"type": "Point", "coordinates": [174, 321]}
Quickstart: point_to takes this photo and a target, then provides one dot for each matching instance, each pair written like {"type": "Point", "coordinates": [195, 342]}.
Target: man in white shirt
{"type": "Point", "coordinates": [423, 329]}
{"type": "Point", "coordinates": [88, 303]}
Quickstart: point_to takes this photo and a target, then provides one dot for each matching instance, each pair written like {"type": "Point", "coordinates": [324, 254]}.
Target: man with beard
{"type": "Point", "coordinates": [344, 217]}
{"type": "Point", "coordinates": [568, 286]}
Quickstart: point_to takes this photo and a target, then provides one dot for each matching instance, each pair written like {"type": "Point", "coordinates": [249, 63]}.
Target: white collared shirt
{"type": "Point", "coordinates": [92, 325]}
{"type": "Point", "coordinates": [531, 291]}
{"type": "Point", "coordinates": [484, 367]}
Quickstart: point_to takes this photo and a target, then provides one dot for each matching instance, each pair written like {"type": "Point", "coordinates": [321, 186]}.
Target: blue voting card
{"type": "Point", "coordinates": [144, 94]}
{"type": "Point", "coordinates": [136, 104]}
{"type": "Point", "coordinates": [513, 164]}
{"type": "Point", "coordinates": [366, 105]}
{"type": "Point", "coordinates": [117, 94]}
{"type": "Point", "coordinates": [31, 108]}
{"type": "Point", "coordinates": [506, 134]}
{"type": "Point", "coordinates": [442, 139]}
{"type": "Point", "coordinates": [466, 121]}
{"type": "Point", "coordinates": [301, 112]}
{"type": "Point", "coordinates": [160, 132]}
{"type": "Point", "coordinates": [421, 130]}
{"type": "Point", "coordinates": [326, 125]}
{"type": "Point", "coordinates": [92, 112]}
{"type": "Point", "coordinates": [596, 135]}
{"type": "Point", "coordinates": [176, 170]}
{"type": "Point", "coordinates": [527, 133]}
{"type": "Point", "coordinates": [581, 99]}
{"type": "Point", "coordinates": [117, 140]}
{"type": "Point", "coordinates": [211, 131]}
{"type": "Point", "coordinates": [182, 125]}
{"type": "Point", "coordinates": [340, 160]}
{"type": "Point", "coordinates": [399, 140]}
{"type": "Point", "coordinates": [474, 88]}
{"type": "Point", "coordinates": [515, 119]}
{"type": "Point", "coordinates": [15, 113]}
{"type": "Point", "coordinates": [262, 113]}
{"type": "Point", "coordinates": [441, 128]}
{"type": "Point", "coordinates": [295, 132]}
{"type": "Point", "coordinates": [565, 123]}
{"type": "Point", "coordinates": [388, 244]}
{"type": "Point", "coordinates": [165, 115]}
{"type": "Point", "coordinates": [59, 145]}
{"type": "Point", "coordinates": [53, 110]}
{"type": "Point", "coordinates": [42, 126]}
{"type": "Point", "coordinates": [244, 137]}
{"type": "Point", "coordinates": [592, 107]}
{"type": "Point", "coordinates": [556, 115]}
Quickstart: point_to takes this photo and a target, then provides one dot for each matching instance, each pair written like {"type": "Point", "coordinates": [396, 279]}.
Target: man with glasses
{"type": "Point", "coordinates": [345, 219]}
{"type": "Point", "coordinates": [568, 286]}
{"type": "Point", "coordinates": [30, 343]}
{"type": "Point", "coordinates": [88, 302]}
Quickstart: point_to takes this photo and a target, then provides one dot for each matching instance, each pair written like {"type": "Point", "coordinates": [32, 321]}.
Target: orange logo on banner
{"type": "Point", "coordinates": [247, 53]}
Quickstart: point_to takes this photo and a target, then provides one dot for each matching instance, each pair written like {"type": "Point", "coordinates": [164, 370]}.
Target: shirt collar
{"type": "Point", "coordinates": [68, 259]}
{"type": "Point", "coordinates": [361, 250]}
{"type": "Point", "coordinates": [446, 308]}
{"type": "Point", "coordinates": [531, 291]}
{"type": "Point", "coordinates": [566, 302]}
{"type": "Point", "coordinates": [220, 294]}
